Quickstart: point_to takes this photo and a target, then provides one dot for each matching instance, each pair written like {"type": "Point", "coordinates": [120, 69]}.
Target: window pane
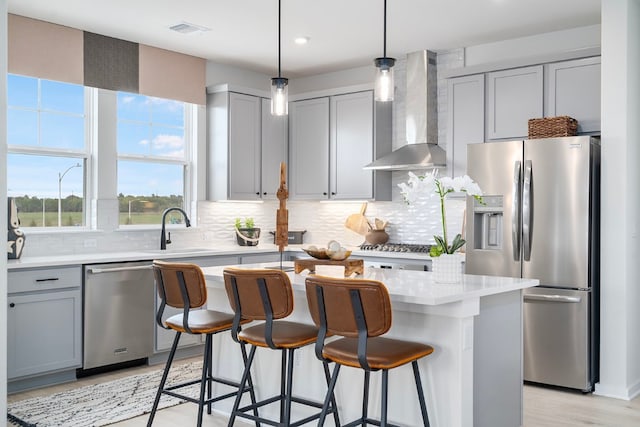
{"type": "Point", "coordinates": [133, 138]}
{"type": "Point", "coordinates": [146, 189]}
{"type": "Point", "coordinates": [36, 182]}
{"type": "Point", "coordinates": [167, 112]}
{"type": "Point", "coordinates": [22, 91]}
{"type": "Point", "coordinates": [133, 107]}
{"type": "Point", "coordinates": [168, 142]}
{"type": "Point", "coordinates": [150, 126]}
{"type": "Point", "coordinates": [56, 96]}
{"type": "Point", "coordinates": [61, 131]}
{"type": "Point", "coordinates": [22, 127]}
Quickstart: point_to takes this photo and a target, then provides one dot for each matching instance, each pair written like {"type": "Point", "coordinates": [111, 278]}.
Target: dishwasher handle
{"type": "Point", "coordinates": [552, 298]}
{"type": "Point", "coordinates": [97, 270]}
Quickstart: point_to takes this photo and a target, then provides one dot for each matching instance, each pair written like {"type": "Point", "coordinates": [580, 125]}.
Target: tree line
{"type": "Point", "coordinates": [139, 204]}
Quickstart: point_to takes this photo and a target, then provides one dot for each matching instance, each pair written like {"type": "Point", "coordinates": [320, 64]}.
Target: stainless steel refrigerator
{"type": "Point", "coordinates": [541, 219]}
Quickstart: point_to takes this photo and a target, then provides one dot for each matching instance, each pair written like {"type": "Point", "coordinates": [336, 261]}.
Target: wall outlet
{"type": "Point", "coordinates": [90, 243]}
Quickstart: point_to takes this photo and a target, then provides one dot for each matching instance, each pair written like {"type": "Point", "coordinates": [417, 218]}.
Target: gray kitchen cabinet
{"type": "Point", "coordinates": [351, 146]}
{"type": "Point", "coordinates": [164, 338]}
{"type": "Point", "coordinates": [465, 119]}
{"type": "Point", "coordinates": [513, 97]}
{"type": "Point", "coordinates": [309, 149]}
{"type": "Point", "coordinates": [44, 323]}
{"type": "Point", "coordinates": [331, 140]}
{"type": "Point", "coordinates": [246, 146]}
{"type": "Point", "coordinates": [573, 89]}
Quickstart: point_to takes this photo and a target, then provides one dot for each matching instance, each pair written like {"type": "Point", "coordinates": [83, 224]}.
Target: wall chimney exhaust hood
{"type": "Point", "coordinates": [421, 119]}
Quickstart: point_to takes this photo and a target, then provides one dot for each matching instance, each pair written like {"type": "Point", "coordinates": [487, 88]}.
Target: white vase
{"type": "Point", "coordinates": [447, 268]}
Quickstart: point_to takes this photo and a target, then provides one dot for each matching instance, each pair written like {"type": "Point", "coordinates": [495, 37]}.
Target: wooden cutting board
{"type": "Point", "coordinates": [358, 222]}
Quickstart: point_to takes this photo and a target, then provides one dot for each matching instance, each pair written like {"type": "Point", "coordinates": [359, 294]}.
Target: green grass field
{"type": "Point", "coordinates": [34, 219]}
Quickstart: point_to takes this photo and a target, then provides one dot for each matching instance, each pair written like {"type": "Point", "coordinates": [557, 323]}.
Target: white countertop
{"type": "Point", "coordinates": [414, 287]}
{"type": "Point", "coordinates": [202, 251]}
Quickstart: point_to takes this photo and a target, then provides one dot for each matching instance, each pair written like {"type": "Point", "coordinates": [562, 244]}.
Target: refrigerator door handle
{"type": "Point", "coordinates": [515, 211]}
{"type": "Point", "coordinates": [552, 298]}
{"type": "Point", "coordinates": [526, 211]}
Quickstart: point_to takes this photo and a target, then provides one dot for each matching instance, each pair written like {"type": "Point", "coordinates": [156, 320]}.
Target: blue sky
{"type": "Point", "coordinates": [52, 116]}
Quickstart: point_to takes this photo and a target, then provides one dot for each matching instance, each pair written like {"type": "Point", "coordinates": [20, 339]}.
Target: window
{"type": "Point", "coordinates": [153, 157]}
{"type": "Point", "coordinates": [47, 151]}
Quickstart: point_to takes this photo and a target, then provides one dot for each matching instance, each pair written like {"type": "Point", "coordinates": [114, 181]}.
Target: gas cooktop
{"type": "Point", "coordinates": [396, 247]}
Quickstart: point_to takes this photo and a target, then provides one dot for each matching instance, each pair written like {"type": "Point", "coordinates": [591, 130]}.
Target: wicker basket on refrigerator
{"type": "Point", "coordinates": [551, 127]}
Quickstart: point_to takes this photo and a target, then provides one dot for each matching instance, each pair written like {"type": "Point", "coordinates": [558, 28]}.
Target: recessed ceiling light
{"type": "Point", "coordinates": [302, 40]}
{"type": "Point", "coordinates": [188, 28]}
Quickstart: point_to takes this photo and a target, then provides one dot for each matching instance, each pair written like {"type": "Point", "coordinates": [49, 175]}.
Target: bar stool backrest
{"type": "Point", "coordinates": [254, 285]}
{"type": "Point", "coordinates": [180, 284]}
{"type": "Point", "coordinates": [341, 297]}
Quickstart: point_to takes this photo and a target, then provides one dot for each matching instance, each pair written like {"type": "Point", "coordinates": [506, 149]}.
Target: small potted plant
{"type": "Point", "coordinates": [247, 234]}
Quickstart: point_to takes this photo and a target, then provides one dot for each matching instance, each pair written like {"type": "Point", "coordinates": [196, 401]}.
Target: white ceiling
{"type": "Point", "coordinates": [343, 33]}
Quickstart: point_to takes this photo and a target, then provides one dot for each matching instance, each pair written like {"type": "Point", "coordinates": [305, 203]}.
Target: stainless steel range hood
{"type": "Point", "coordinates": [421, 119]}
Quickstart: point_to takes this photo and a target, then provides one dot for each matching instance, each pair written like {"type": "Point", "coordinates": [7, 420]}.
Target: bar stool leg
{"type": "Point", "coordinates": [206, 364]}
{"type": "Point", "coordinates": [423, 405]}
{"type": "Point", "coordinates": [243, 381]}
{"type": "Point", "coordinates": [365, 398]}
{"type": "Point", "coordinates": [327, 375]}
{"type": "Point", "coordinates": [209, 373]}
{"type": "Point", "coordinates": [283, 390]}
{"type": "Point", "coordinates": [385, 388]}
{"type": "Point", "coordinates": [252, 393]}
{"type": "Point", "coordinates": [287, 407]}
{"type": "Point", "coordinates": [328, 397]}
{"type": "Point", "coordinates": [164, 378]}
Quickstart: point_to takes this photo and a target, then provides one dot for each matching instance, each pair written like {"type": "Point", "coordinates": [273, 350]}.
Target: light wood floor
{"type": "Point", "coordinates": [543, 407]}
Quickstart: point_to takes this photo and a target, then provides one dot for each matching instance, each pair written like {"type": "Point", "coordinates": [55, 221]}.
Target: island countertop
{"type": "Point", "coordinates": [414, 287]}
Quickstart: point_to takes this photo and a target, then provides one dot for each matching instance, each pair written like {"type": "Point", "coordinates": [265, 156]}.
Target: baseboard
{"type": "Point", "coordinates": [623, 393]}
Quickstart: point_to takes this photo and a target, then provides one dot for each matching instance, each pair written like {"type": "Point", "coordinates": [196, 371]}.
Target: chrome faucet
{"type": "Point", "coordinates": [163, 237]}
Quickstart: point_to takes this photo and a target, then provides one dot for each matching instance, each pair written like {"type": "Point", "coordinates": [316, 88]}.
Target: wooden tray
{"type": "Point", "coordinates": [351, 265]}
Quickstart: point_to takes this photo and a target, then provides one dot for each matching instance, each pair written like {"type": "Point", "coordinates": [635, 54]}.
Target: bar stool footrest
{"type": "Point", "coordinates": [371, 421]}
{"type": "Point", "coordinates": [241, 412]}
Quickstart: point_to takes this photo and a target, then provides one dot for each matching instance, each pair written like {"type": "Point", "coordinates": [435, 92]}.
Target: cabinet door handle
{"type": "Point", "coordinates": [333, 193]}
{"type": "Point", "coordinates": [264, 194]}
{"type": "Point", "coordinates": [324, 194]}
{"type": "Point", "coordinates": [12, 305]}
{"type": "Point", "coordinates": [51, 279]}
{"type": "Point", "coordinates": [257, 193]}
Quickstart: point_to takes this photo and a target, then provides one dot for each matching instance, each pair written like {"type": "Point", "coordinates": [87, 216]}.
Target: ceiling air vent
{"type": "Point", "coordinates": [187, 28]}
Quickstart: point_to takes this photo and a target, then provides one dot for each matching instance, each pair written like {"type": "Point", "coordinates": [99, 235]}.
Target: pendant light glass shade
{"type": "Point", "coordinates": [279, 96]}
{"type": "Point", "coordinates": [383, 90]}
{"type": "Point", "coordinates": [279, 85]}
{"type": "Point", "coordinates": [384, 85]}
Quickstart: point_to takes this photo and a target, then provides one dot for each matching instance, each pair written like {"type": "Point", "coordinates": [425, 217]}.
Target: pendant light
{"type": "Point", "coordinates": [384, 75]}
{"type": "Point", "coordinates": [279, 85]}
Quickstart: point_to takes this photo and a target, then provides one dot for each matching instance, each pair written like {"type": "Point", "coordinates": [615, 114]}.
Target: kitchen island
{"type": "Point", "coordinates": [474, 377]}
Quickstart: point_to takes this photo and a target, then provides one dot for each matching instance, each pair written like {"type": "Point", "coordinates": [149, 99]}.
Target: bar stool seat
{"type": "Point", "coordinates": [382, 353]}
{"type": "Point", "coordinates": [201, 322]}
{"type": "Point", "coordinates": [284, 334]}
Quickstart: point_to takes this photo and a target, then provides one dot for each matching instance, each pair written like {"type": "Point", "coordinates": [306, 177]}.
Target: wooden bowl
{"type": "Point", "coordinates": [320, 253]}
{"type": "Point", "coordinates": [338, 255]}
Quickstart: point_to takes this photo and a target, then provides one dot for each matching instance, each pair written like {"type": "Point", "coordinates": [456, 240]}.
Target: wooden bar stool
{"type": "Point", "coordinates": [266, 294]}
{"type": "Point", "coordinates": [359, 311]}
{"type": "Point", "coordinates": [183, 286]}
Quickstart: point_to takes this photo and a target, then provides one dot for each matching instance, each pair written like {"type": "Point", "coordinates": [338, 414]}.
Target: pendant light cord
{"type": "Point", "coordinates": [279, 13]}
{"type": "Point", "coordinates": [384, 42]}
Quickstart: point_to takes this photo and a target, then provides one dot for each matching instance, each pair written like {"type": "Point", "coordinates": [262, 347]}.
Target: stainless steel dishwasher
{"type": "Point", "coordinates": [118, 313]}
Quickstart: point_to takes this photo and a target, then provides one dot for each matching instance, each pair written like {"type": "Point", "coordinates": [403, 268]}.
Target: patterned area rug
{"type": "Point", "coordinates": [103, 404]}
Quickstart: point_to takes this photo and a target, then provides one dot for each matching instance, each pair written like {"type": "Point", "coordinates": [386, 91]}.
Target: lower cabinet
{"type": "Point", "coordinates": [44, 328]}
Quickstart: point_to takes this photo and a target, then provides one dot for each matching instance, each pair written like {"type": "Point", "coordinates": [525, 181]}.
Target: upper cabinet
{"type": "Point", "coordinates": [331, 139]}
{"type": "Point", "coordinates": [465, 121]}
{"type": "Point", "coordinates": [513, 97]}
{"type": "Point", "coordinates": [309, 148]}
{"type": "Point", "coordinates": [573, 89]}
{"type": "Point", "coordinates": [246, 146]}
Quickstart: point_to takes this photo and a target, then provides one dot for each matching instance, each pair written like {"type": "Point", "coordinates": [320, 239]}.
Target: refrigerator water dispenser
{"type": "Point", "coordinates": [487, 225]}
